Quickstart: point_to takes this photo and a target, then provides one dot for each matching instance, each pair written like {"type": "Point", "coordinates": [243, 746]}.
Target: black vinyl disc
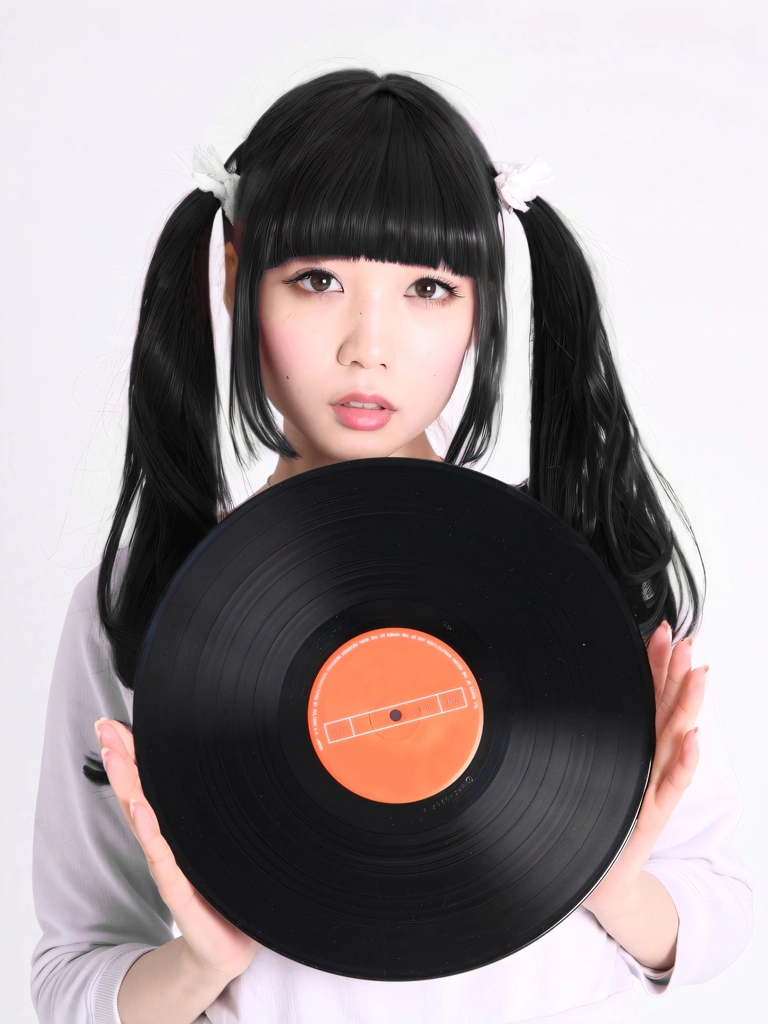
{"type": "Point", "coordinates": [395, 719]}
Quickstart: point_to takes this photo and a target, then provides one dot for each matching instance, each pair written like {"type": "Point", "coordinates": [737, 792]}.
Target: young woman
{"type": "Point", "coordinates": [364, 229]}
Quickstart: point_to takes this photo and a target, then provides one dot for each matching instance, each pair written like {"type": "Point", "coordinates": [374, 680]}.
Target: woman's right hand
{"type": "Point", "coordinates": [213, 942]}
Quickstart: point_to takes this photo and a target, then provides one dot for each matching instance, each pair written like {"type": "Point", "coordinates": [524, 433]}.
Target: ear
{"type": "Point", "coordinates": [230, 266]}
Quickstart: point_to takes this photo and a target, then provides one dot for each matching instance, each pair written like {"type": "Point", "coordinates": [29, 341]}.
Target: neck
{"type": "Point", "coordinates": [418, 448]}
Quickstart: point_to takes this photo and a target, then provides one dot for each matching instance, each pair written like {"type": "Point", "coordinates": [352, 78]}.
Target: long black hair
{"type": "Point", "coordinates": [356, 164]}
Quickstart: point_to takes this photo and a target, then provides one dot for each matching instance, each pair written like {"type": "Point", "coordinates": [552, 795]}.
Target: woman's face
{"type": "Point", "coordinates": [330, 327]}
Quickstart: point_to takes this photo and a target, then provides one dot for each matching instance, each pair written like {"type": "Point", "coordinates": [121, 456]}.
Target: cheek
{"type": "Point", "coordinates": [286, 349]}
{"type": "Point", "coordinates": [438, 358]}
{"type": "Point", "coordinates": [283, 344]}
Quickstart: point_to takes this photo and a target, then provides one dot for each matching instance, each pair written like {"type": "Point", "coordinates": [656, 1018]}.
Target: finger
{"type": "Point", "coordinates": [678, 667]}
{"type": "Point", "coordinates": [690, 699]}
{"type": "Point", "coordinates": [659, 652]}
{"type": "Point", "coordinates": [116, 736]}
{"type": "Point", "coordinates": [174, 887]}
{"type": "Point", "coordinates": [678, 778]}
{"type": "Point", "coordinates": [126, 736]}
{"type": "Point", "coordinates": [124, 778]}
{"type": "Point", "coordinates": [681, 721]}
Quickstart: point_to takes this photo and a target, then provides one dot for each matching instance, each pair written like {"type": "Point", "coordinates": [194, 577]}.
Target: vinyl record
{"type": "Point", "coordinates": [395, 719]}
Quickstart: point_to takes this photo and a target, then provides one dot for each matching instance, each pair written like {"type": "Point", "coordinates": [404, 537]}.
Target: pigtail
{"type": "Point", "coordinates": [173, 465]}
{"type": "Point", "coordinates": [586, 458]}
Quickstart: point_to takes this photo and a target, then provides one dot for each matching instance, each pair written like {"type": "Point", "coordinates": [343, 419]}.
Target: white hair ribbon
{"type": "Point", "coordinates": [211, 175]}
{"type": "Point", "coordinates": [517, 183]}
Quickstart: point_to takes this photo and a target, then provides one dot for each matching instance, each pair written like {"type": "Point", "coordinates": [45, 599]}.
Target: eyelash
{"type": "Point", "coordinates": [452, 289]}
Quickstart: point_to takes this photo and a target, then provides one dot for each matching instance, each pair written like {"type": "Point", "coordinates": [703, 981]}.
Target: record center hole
{"type": "Point", "coordinates": [395, 715]}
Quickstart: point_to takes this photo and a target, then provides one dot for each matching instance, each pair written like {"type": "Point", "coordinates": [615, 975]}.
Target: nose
{"type": "Point", "coordinates": [370, 334]}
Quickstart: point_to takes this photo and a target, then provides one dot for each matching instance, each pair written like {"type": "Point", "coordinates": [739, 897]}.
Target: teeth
{"type": "Point", "coordinates": [362, 405]}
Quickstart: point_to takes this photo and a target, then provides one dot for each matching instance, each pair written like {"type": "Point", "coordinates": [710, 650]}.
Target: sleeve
{"type": "Point", "coordinates": [695, 859]}
{"type": "Point", "coordinates": [95, 899]}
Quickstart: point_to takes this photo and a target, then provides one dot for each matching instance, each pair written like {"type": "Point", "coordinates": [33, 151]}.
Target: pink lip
{"type": "Point", "coordinates": [363, 419]}
{"type": "Point", "coordinates": [358, 396]}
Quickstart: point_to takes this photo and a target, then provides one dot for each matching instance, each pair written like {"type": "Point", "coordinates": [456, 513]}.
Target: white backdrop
{"type": "Point", "coordinates": [651, 116]}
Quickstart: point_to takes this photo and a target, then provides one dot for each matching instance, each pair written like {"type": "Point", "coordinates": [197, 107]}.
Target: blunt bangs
{"type": "Point", "coordinates": [380, 175]}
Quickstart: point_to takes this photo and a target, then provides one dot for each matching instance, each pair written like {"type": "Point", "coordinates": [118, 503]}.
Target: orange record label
{"type": "Point", "coordinates": [395, 715]}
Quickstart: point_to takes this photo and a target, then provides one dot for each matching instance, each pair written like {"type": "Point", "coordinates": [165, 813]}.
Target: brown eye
{"type": "Point", "coordinates": [318, 281]}
{"type": "Point", "coordinates": [426, 288]}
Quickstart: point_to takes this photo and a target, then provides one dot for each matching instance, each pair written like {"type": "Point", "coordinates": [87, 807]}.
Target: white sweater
{"type": "Point", "coordinates": [99, 908]}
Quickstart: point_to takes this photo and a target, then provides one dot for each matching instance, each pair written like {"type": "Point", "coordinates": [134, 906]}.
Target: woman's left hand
{"type": "Point", "coordinates": [679, 694]}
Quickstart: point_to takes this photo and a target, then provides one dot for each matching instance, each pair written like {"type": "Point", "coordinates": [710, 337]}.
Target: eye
{"type": "Point", "coordinates": [428, 286]}
{"type": "Point", "coordinates": [319, 281]}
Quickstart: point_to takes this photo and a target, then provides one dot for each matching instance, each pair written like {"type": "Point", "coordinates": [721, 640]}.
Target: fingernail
{"type": "Point", "coordinates": [105, 752]}
{"type": "Point", "coordinates": [667, 627]}
{"type": "Point", "coordinates": [689, 641]}
{"type": "Point", "coordinates": [132, 805]}
{"type": "Point", "coordinates": [706, 669]}
{"type": "Point", "coordinates": [96, 725]}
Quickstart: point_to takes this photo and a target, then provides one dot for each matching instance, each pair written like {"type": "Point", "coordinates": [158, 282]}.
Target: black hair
{"type": "Point", "coordinates": [351, 164]}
